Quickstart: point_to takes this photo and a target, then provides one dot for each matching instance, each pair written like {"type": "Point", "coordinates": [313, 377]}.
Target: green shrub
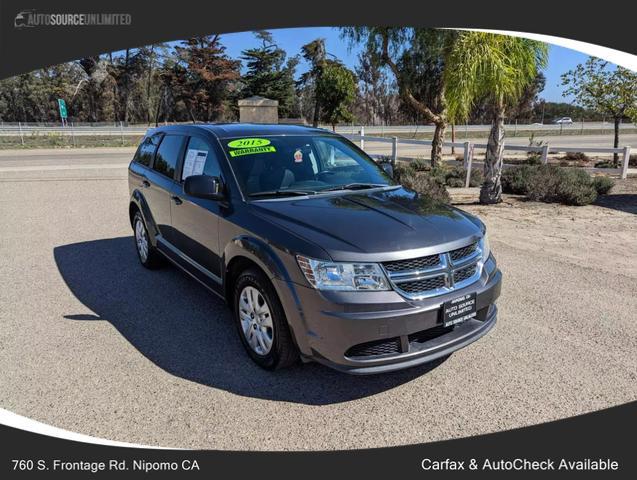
{"type": "Point", "coordinates": [550, 183]}
{"type": "Point", "coordinates": [430, 187]}
{"type": "Point", "coordinates": [576, 157]}
{"type": "Point", "coordinates": [605, 164]}
{"type": "Point", "coordinates": [574, 187]}
{"type": "Point", "coordinates": [532, 159]}
{"type": "Point", "coordinates": [516, 179]}
{"type": "Point", "coordinates": [603, 184]}
{"type": "Point", "coordinates": [419, 165]}
{"type": "Point", "coordinates": [402, 173]}
{"type": "Point", "coordinates": [455, 182]}
{"type": "Point", "coordinates": [423, 183]}
{"type": "Point", "coordinates": [477, 177]}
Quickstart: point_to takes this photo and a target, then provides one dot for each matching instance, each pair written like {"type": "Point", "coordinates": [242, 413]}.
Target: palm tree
{"type": "Point", "coordinates": [496, 67]}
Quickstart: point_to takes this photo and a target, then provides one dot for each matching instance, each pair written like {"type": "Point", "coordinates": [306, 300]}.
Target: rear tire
{"type": "Point", "coordinates": [148, 255]}
{"type": "Point", "coordinates": [261, 322]}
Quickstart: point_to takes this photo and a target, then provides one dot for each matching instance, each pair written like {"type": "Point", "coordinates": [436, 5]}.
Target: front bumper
{"type": "Point", "coordinates": [374, 332]}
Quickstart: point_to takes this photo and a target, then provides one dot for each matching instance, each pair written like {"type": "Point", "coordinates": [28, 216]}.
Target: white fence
{"type": "Point", "coordinates": [469, 148]}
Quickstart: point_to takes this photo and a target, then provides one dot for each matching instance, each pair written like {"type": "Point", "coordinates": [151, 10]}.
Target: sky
{"type": "Point", "coordinates": [291, 39]}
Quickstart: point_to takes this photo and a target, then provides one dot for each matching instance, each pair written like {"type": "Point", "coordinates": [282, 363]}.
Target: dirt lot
{"type": "Point", "coordinates": [601, 236]}
{"type": "Point", "coordinates": [92, 342]}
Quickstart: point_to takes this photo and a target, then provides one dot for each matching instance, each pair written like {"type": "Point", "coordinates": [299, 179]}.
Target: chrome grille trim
{"type": "Point", "coordinates": [463, 264]}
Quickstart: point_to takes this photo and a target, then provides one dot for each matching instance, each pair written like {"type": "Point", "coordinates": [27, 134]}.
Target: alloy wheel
{"type": "Point", "coordinates": [141, 239]}
{"type": "Point", "coordinates": [256, 320]}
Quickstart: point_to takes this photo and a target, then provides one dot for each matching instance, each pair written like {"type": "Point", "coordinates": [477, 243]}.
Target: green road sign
{"type": "Point", "coordinates": [62, 105]}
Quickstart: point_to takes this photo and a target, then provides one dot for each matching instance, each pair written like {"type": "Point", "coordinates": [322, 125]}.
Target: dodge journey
{"type": "Point", "coordinates": [320, 254]}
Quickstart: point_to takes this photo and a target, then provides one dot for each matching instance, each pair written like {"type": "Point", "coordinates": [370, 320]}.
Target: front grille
{"type": "Point", "coordinates": [413, 263]}
{"type": "Point", "coordinates": [443, 271]}
{"type": "Point", "coordinates": [423, 285]}
{"type": "Point", "coordinates": [464, 273]}
{"type": "Point", "coordinates": [373, 349]}
{"type": "Point", "coordinates": [429, 334]}
{"type": "Point", "coordinates": [463, 252]}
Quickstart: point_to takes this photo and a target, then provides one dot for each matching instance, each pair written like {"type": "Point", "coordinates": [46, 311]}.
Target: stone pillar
{"type": "Point", "coordinates": [258, 110]}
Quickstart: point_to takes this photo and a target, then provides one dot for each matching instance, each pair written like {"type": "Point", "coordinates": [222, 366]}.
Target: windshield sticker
{"type": "Point", "coordinates": [298, 156]}
{"type": "Point", "coordinates": [251, 151]}
{"type": "Point", "coordinates": [249, 142]}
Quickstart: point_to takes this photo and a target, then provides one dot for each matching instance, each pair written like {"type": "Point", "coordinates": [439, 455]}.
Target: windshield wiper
{"type": "Point", "coordinates": [282, 193]}
{"type": "Point", "coordinates": [354, 186]}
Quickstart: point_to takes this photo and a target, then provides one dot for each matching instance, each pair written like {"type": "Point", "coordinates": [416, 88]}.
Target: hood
{"type": "Point", "coordinates": [376, 225]}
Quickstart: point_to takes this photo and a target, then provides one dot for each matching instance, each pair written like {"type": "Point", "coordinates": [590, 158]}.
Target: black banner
{"type": "Point", "coordinates": [595, 445]}
{"type": "Point", "coordinates": [24, 48]}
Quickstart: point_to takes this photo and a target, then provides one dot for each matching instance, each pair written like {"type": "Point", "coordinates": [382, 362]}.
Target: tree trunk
{"type": "Point", "coordinates": [491, 191]}
{"type": "Point", "coordinates": [436, 143]}
{"type": "Point", "coordinates": [317, 111]}
{"type": "Point", "coordinates": [616, 141]}
{"type": "Point", "coordinates": [159, 103]}
{"type": "Point", "coordinates": [149, 84]}
{"type": "Point", "coordinates": [124, 114]}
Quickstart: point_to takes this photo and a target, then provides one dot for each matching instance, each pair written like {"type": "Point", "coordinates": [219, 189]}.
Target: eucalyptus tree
{"type": "Point", "coordinates": [497, 67]}
{"type": "Point", "coordinates": [416, 57]}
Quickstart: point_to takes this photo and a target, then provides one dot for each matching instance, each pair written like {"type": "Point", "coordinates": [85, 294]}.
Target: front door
{"type": "Point", "coordinates": [195, 221]}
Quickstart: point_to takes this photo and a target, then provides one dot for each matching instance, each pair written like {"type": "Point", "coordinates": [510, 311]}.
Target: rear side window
{"type": "Point", "coordinates": [168, 155]}
{"type": "Point", "coordinates": [200, 159]}
{"type": "Point", "coordinates": [146, 150]}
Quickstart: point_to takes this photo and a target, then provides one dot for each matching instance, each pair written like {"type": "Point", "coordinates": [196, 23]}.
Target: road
{"type": "Point", "coordinates": [92, 342]}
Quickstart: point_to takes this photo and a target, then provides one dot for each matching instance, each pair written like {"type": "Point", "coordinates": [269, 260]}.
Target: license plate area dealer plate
{"type": "Point", "coordinates": [459, 309]}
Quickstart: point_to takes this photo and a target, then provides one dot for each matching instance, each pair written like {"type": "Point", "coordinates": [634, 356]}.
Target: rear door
{"type": "Point", "coordinates": [195, 221]}
{"type": "Point", "coordinates": [162, 183]}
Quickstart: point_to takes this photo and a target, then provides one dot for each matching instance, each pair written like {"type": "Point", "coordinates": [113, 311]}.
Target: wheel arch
{"type": "Point", "coordinates": [244, 252]}
{"type": "Point", "coordinates": [138, 203]}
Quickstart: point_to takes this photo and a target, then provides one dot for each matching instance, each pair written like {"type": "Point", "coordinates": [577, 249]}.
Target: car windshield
{"type": "Point", "coordinates": [300, 164]}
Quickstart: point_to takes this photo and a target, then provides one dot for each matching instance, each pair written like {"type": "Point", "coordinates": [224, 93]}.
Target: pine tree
{"type": "Point", "coordinates": [268, 74]}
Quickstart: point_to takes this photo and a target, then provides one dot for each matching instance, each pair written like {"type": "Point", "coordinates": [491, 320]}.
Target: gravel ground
{"type": "Point", "coordinates": [92, 342]}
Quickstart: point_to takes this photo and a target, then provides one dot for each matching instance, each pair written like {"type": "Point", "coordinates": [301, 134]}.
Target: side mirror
{"type": "Point", "coordinates": [204, 186]}
{"type": "Point", "coordinates": [388, 168]}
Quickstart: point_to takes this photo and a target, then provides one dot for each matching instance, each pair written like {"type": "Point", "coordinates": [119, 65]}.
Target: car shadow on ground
{"type": "Point", "coordinates": [624, 202]}
{"type": "Point", "coordinates": [187, 331]}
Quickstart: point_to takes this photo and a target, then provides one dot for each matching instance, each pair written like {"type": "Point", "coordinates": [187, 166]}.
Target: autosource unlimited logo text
{"type": "Point", "coordinates": [32, 18]}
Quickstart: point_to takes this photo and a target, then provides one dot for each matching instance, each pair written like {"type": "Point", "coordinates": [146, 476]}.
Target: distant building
{"type": "Point", "coordinates": [258, 110]}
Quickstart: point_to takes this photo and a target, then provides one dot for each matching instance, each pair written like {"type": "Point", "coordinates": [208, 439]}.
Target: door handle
{"type": "Point", "coordinates": [145, 184]}
{"type": "Point", "coordinates": [176, 199]}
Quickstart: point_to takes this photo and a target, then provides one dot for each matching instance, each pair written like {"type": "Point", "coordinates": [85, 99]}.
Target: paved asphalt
{"type": "Point", "coordinates": [92, 342]}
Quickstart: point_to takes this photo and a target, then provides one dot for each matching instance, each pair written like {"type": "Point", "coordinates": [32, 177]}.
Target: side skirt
{"type": "Point", "coordinates": [192, 268]}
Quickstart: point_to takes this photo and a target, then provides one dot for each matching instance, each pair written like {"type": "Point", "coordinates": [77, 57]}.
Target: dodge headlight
{"type": "Point", "coordinates": [484, 246]}
{"type": "Point", "coordinates": [342, 276]}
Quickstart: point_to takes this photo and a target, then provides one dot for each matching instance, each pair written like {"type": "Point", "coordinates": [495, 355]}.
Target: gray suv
{"type": "Point", "coordinates": [320, 254]}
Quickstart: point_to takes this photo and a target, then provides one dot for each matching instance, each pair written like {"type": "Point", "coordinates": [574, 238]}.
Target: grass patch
{"type": "Point", "coordinates": [64, 141]}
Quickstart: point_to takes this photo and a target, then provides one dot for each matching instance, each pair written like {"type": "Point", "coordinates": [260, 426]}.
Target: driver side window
{"type": "Point", "coordinates": [200, 159]}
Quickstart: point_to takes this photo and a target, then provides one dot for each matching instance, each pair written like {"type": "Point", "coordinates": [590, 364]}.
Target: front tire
{"type": "Point", "coordinates": [261, 322]}
{"type": "Point", "coordinates": [148, 255]}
